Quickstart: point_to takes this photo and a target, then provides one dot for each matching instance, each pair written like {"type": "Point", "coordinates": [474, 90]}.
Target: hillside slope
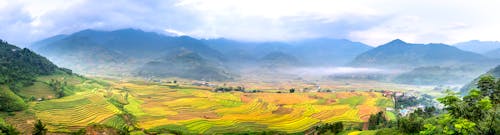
{"type": "Point", "coordinates": [312, 52]}
{"type": "Point", "coordinates": [478, 46]}
{"type": "Point", "coordinates": [495, 72]}
{"type": "Point", "coordinates": [117, 52]}
{"type": "Point", "coordinates": [399, 54]}
{"type": "Point", "coordinates": [19, 68]}
{"type": "Point", "coordinates": [185, 64]}
{"type": "Point", "coordinates": [493, 54]}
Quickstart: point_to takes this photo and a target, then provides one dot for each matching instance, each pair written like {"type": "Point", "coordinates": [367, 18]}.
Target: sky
{"type": "Point", "coordinates": [373, 22]}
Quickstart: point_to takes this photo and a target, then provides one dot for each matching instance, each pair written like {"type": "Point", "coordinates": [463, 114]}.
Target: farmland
{"type": "Point", "coordinates": [184, 108]}
{"type": "Point", "coordinates": [192, 110]}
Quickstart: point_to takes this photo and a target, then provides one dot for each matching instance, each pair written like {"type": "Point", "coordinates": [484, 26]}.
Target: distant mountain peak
{"type": "Point", "coordinates": [128, 30]}
{"type": "Point", "coordinates": [397, 42]}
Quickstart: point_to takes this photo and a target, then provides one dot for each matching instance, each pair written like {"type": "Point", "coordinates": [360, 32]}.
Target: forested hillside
{"type": "Point", "coordinates": [19, 68]}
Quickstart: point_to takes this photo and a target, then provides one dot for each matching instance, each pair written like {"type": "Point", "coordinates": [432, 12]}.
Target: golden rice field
{"type": "Point", "coordinates": [202, 111]}
{"type": "Point", "coordinates": [198, 110]}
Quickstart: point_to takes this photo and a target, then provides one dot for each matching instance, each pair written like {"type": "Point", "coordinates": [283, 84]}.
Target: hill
{"type": "Point", "coordinates": [478, 46]}
{"type": "Point", "coordinates": [116, 52]}
{"type": "Point", "coordinates": [185, 64]}
{"type": "Point", "coordinates": [327, 51]}
{"type": "Point", "coordinates": [493, 53]}
{"type": "Point", "coordinates": [279, 60]}
{"type": "Point", "coordinates": [495, 72]}
{"type": "Point", "coordinates": [436, 75]}
{"type": "Point", "coordinates": [399, 54]}
{"type": "Point", "coordinates": [312, 52]}
{"type": "Point", "coordinates": [19, 68]}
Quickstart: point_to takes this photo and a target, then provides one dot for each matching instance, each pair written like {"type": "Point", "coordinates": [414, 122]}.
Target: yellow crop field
{"type": "Point", "coordinates": [193, 110]}
{"type": "Point", "coordinates": [202, 111]}
{"type": "Point", "coordinates": [74, 111]}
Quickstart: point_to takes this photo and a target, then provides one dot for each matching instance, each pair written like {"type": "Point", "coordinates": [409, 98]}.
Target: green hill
{"type": "Point", "coordinates": [495, 72]}
{"type": "Point", "coordinates": [185, 64]}
{"type": "Point", "coordinates": [399, 54]}
{"type": "Point", "coordinates": [19, 68]}
{"type": "Point", "coordinates": [116, 52]}
{"type": "Point", "coordinates": [436, 75]}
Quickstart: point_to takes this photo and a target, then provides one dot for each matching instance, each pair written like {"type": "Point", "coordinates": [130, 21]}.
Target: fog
{"type": "Point", "coordinates": [324, 71]}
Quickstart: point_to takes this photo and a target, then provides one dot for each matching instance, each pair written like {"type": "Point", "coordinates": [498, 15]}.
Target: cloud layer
{"type": "Point", "coordinates": [369, 21]}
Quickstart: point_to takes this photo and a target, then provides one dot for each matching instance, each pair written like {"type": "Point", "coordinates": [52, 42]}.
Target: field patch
{"type": "Point", "coordinates": [74, 111]}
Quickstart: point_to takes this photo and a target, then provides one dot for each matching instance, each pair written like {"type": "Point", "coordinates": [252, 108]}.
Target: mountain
{"type": "Point", "coordinates": [328, 52]}
{"type": "Point", "coordinates": [278, 60]}
{"type": "Point", "coordinates": [19, 68]}
{"type": "Point", "coordinates": [117, 52]}
{"type": "Point", "coordinates": [185, 64]}
{"type": "Point", "coordinates": [22, 65]}
{"type": "Point", "coordinates": [436, 75]}
{"type": "Point", "coordinates": [42, 43]}
{"type": "Point", "coordinates": [399, 54]}
{"type": "Point", "coordinates": [495, 72]}
{"type": "Point", "coordinates": [478, 46]}
{"type": "Point", "coordinates": [313, 52]}
{"type": "Point", "coordinates": [493, 53]}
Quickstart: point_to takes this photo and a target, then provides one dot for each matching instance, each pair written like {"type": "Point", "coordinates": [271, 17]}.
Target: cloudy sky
{"type": "Point", "coordinates": [373, 22]}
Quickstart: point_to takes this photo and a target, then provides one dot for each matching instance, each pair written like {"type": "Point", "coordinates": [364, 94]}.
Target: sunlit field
{"type": "Point", "coordinates": [191, 109]}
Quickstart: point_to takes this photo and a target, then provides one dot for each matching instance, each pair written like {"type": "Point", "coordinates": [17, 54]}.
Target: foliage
{"type": "Point", "coordinates": [19, 68]}
{"type": "Point", "coordinates": [475, 113]}
{"type": "Point", "coordinates": [9, 101]}
{"type": "Point", "coordinates": [58, 87]}
{"type": "Point", "coordinates": [334, 128]}
{"type": "Point", "coordinates": [377, 121]}
{"type": "Point", "coordinates": [8, 130]}
{"type": "Point", "coordinates": [39, 128]}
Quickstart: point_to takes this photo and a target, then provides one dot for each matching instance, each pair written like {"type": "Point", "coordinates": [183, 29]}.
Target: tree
{"type": "Point", "coordinates": [39, 128]}
{"type": "Point", "coordinates": [8, 130]}
{"type": "Point", "coordinates": [337, 127]}
{"type": "Point", "coordinates": [330, 128]}
{"type": "Point", "coordinates": [292, 90]}
{"type": "Point", "coordinates": [377, 121]}
{"type": "Point", "coordinates": [487, 85]}
{"type": "Point", "coordinates": [473, 114]}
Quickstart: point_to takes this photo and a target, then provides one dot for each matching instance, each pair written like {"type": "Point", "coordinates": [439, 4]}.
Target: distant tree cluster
{"type": "Point", "coordinates": [58, 87]}
{"type": "Point", "coordinates": [377, 121]}
{"type": "Point", "coordinates": [239, 88]}
{"type": "Point", "coordinates": [330, 128]}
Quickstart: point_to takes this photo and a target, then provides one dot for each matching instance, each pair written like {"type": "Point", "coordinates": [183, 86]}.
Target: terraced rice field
{"type": "Point", "coordinates": [198, 111]}
{"type": "Point", "coordinates": [75, 111]}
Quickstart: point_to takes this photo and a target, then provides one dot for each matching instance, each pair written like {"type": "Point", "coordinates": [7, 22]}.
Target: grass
{"type": "Point", "coordinates": [390, 115]}
{"type": "Point", "coordinates": [38, 90]}
{"type": "Point", "coordinates": [384, 102]}
{"type": "Point", "coordinates": [353, 101]}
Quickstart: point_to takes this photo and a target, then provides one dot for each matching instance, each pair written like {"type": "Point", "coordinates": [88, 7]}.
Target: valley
{"type": "Point", "coordinates": [184, 108]}
{"type": "Point", "coordinates": [191, 86]}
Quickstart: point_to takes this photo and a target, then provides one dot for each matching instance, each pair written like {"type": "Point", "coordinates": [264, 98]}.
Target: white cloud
{"type": "Point", "coordinates": [368, 21]}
